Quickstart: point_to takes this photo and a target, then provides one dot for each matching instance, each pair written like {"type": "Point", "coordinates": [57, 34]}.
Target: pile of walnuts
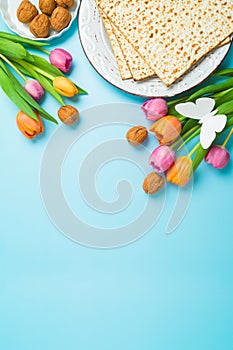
{"type": "Point", "coordinates": [39, 26]}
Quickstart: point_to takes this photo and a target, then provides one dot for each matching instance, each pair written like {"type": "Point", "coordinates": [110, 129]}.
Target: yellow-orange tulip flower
{"type": "Point", "coordinates": [181, 171]}
{"type": "Point", "coordinates": [64, 86]}
{"type": "Point", "coordinates": [28, 126]}
{"type": "Point", "coordinates": [167, 129]}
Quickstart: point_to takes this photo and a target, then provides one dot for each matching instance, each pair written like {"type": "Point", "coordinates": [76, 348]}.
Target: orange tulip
{"type": "Point", "coordinates": [64, 86]}
{"type": "Point", "coordinates": [166, 129]}
{"type": "Point", "coordinates": [181, 171]}
{"type": "Point", "coordinates": [28, 126]}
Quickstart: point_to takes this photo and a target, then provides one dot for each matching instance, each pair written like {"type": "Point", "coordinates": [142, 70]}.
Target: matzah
{"type": "Point", "coordinates": [130, 63]}
{"type": "Point", "coordinates": [120, 59]}
{"type": "Point", "coordinates": [137, 65]}
{"type": "Point", "coordinates": [171, 35]}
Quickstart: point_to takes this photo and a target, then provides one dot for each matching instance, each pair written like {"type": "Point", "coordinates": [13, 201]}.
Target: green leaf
{"type": "Point", "coordinates": [3, 66]}
{"type": "Point", "coordinates": [229, 123]}
{"type": "Point", "coordinates": [211, 89]}
{"type": "Point", "coordinates": [8, 88]}
{"type": "Point", "coordinates": [173, 111]}
{"type": "Point", "coordinates": [189, 125]}
{"type": "Point", "coordinates": [21, 91]}
{"type": "Point", "coordinates": [81, 91]}
{"type": "Point", "coordinates": [49, 87]}
{"type": "Point", "coordinates": [29, 57]}
{"type": "Point", "coordinates": [42, 80]}
{"type": "Point", "coordinates": [11, 49]}
{"type": "Point", "coordinates": [43, 64]}
{"type": "Point", "coordinates": [224, 72]}
{"type": "Point", "coordinates": [199, 156]}
{"type": "Point", "coordinates": [190, 135]}
{"type": "Point", "coordinates": [226, 108]}
{"type": "Point", "coordinates": [20, 39]}
{"type": "Point", "coordinates": [21, 68]}
{"type": "Point", "coordinates": [225, 98]}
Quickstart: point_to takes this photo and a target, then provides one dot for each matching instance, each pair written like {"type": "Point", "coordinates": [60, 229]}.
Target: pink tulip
{"type": "Point", "coordinates": [217, 156]}
{"type": "Point", "coordinates": [34, 89]}
{"type": "Point", "coordinates": [155, 108]}
{"type": "Point", "coordinates": [61, 59]}
{"type": "Point", "coordinates": [162, 158]}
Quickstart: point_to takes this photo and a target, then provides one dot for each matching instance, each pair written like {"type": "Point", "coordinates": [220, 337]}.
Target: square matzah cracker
{"type": "Point", "coordinates": [120, 59]}
{"type": "Point", "coordinates": [171, 35]}
{"type": "Point", "coordinates": [137, 65]}
{"type": "Point", "coordinates": [129, 61]}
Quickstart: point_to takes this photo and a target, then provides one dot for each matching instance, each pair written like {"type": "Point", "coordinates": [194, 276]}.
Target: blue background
{"type": "Point", "coordinates": [161, 292]}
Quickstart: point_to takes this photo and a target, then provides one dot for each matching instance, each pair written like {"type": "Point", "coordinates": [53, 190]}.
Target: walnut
{"type": "Point", "coordinates": [153, 183]}
{"type": "Point", "coordinates": [136, 135]}
{"type": "Point", "coordinates": [60, 18]}
{"type": "Point", "coordinates": [47, 6]}
{"type": "Point", "coordinates": [40, 26]}
{"type": "Point", "coordinates": [26, 11]}
{"type": "Point", "coordinates": [68, 115]}
{"type": "Point", "coordinates": [65, 3]}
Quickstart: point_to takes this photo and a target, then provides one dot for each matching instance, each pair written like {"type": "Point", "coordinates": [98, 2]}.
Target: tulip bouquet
{"type": "Point", "coordinates": [174, 130]}
{"type": "Point", "coordinates": [35, 75]}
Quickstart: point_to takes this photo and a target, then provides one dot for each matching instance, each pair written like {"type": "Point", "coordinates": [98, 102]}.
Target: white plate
{"type": "Point", "coordinates": [97, 48]}
{"type": "Point", "coordinates": [9, 9]}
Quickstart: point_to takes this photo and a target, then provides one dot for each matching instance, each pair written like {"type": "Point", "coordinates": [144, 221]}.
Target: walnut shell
{"type": "Point", "coordinates": [136, 135]}
{"type": "Point", "coordinates": [153, 183]}
{"type": "Point", "coordinates": [68, 115]}
{"type": "Point", "coordinates": [47, 6]}
{"type": "Point", "coordinates": [60, 18]}
{"type": "Point", "coordinates": [26, 11]}
{"type": "Point", "coordinates": [40, 26]}
{"type": "Point", "coordinates": [65, 3]}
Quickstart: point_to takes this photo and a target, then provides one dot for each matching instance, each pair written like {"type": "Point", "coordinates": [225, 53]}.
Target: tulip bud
{"type": "Point", "coordinates": [68, 115]}
{"type": "Point", "coordinates": [61, 59]}
{"type": "Point", "coordinates": [64, 86]}
{"type": "Point", "coordinates": [217, 156]}
{"type": "Point", "coordinates": [155, 108]}
{"type": "Point", "coordinates": [167, 129]}
{"type": "Point", "coordinates": [34, 89]}
{"type": "Point", "coordinates": [162, 158]}
{"type": "Point", "coordinates": [181, 171]}
{"type": "Point", "coordinates": [28, 126]}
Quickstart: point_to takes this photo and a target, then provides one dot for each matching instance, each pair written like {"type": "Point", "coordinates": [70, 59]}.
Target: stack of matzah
{"type": "Point", "coordinates": [164, 37]}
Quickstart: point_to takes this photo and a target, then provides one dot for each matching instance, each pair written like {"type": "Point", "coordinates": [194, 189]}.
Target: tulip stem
{"type": "Point", "coordinates": [170, 103]}
{"type": "Point", "coordinates": [176, 143]}
{"type": "Point", "coordinates": [220, 94]}
{"type": "Point", "coordinates": [41, 71]}
{"type": "Point", "coordinates": [13, 66]}
{"type": "Point", "coordinates": [194, 149]}
{"type": "Point", "coordinates": [44, 50]}
{"type": "Point", "coordinates": [34, 68]}
{"type": "Point", "coordinates": [227, 138]}
{"type": "Point", "coordinates": [189, 138]}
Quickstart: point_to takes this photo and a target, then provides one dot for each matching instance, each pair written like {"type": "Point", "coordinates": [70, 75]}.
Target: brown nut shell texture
{"type": "Point", "coordinates": [40, 26]}
{"type": "Point", "coordinates": [68, 115]}
{"type": "Point", "coordinates": [26, 12]}
{"type": "Point", "coordinates": [60, 18]}
{"type": "Point", "coordinates": [153, 183]}
{"type": "Point", "coordinates": [65, 3]}
{"type": "Point", "coordinates": [47, 6]}
{"type": "Point", "coordinates": [136, 135]}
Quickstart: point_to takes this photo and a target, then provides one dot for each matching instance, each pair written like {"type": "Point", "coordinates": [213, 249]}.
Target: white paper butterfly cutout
{"type": "Point", "coordinates": [202, 111]}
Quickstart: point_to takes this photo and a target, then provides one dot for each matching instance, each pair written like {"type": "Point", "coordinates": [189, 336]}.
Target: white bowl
{"type": "Point", "coordinates": [9, 10]}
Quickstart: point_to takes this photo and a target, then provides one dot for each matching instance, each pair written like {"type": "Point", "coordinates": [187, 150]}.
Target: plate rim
{"type": "Point", "coordinates": [135, 93]}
